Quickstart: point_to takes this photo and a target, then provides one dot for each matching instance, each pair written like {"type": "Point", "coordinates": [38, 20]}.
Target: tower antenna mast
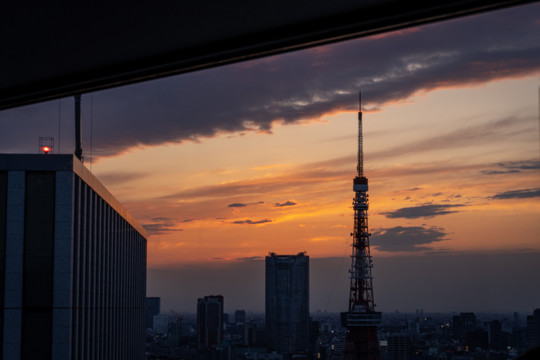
{"type": "Point", "coordinates": [360, 160]}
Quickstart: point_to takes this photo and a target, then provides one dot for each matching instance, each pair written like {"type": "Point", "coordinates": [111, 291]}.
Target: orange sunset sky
{"type": "Point", "coordinates": [225, 165]}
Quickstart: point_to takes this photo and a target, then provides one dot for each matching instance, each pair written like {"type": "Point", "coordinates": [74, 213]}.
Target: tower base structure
{"type": "Point", "coordinates": [361, 342]}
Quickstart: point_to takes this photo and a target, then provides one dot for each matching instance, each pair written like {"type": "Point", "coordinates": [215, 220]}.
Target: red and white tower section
{"type": "Point", "coordinates": [361, 320]}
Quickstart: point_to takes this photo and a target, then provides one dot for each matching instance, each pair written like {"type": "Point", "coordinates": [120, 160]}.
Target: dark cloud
{"type": "Point", "coordinates": [513, 167]}
{"type": "Point", "coordinates": [251, 96]}
{"type": "Point", "coordinates": [425, 211]}
{"type": "Point", "coordinates": [163, 225]}
{"type": "Point", "coordinates": [251, 222]}
{"type": "Point", "coordinates": [407, 238]}
{"type": "Point", "coordinates": [236, 205]}
{"type": "Point", "coordinates": [517, 194]}
{"type": "Point", "coordinates": [160, 228]}
{"type": "Point", "coordinates": [498, 172]}
{"type": "Point", "coordinates": [286, 203]}
{"type": "Point", "coordinates": [250, 258]}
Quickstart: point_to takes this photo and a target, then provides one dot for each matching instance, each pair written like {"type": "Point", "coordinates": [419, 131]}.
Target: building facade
{"type": "Point", "coordinates": [287, 303]}
{"type": "Point", "coordinates": [72, 264]}
{"type": "Point", "coordinates": [533, 329]}
{"type": "Point", "coordinates": [209, 321]}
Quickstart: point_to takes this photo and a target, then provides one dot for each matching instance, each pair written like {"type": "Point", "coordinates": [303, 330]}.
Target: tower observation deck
{"type": "Point", "coordinates": [361, 320]}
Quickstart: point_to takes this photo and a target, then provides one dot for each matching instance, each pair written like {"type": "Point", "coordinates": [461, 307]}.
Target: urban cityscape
{"type": "Point", "coordinates": [287, 330]}
{"type": "Point", "coordinates": [401, 336]}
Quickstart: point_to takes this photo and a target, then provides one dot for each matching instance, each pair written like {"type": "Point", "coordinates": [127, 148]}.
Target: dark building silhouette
{"type": "Point", "coordinates": [240, 317]}
{"type": "Point", "coordinates": [209, 321]}
{"type": "Point", "coordinates": [533, 329]}
{"type": "Point", "coordinates": [287, 303]}
{"type": "Point", "coordinates": [462, 323]}
{"type": "Point", "coordinates": [73, 264]}
{"type": "Point", "coordinates": [476, 339]}
{"type": "Point", "coordinates": [153, 307]}
{"type": "Point", "coordinates": [499, 340]}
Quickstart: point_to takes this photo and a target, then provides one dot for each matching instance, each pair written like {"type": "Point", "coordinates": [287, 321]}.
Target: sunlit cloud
{"type": "Point", "coordinates": [473, 135]}
{"type": "Point", "coordinates": [324, 238]}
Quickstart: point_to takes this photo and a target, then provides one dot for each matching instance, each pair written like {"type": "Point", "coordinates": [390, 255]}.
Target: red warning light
{"type": "Point", "coordinates": [46, 149]}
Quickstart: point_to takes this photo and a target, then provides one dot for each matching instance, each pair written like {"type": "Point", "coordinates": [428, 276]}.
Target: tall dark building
{"type": "Point", "coordinates": [287, 303]}
{"type": "Point", "coordinates": [72, 264]}
{"type": "Point", "coordinates": [209, 321]}
{"type": "Point", "coordinates": [153, 307]}
{"type": "Point", "coordinates": [533, 329]}
{"type": "Point", "coordinates": [361, 320]}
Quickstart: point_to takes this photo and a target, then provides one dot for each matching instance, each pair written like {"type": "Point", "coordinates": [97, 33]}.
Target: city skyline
{"type": "Point", "coordinates": [226, 165]}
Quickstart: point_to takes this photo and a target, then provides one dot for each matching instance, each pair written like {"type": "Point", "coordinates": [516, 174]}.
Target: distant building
{"type": "Point", "coordinates": [209, 321]}
{"type": "Point", "coordinates": [177, 331]}
{"type": "Point", "coordinates": [153, 307]}
{"type": "Point", "coordinates": [160, 324]}
{"type": "Point", "coordinates": [499, 340]}
{"type": "Point", "coordinates": [533, 329]}
{"type": "Point", "coordinates": [240, 316]}
{"type": "Point", "coordinates": [476, 339]}
{"type": "Point", "coordinates": [463, 323]}
{"type": "Point", "coordinates": [250, 334]}
{"type": "Point", "coordinates": [73, 264]}
{"type": "Point", "coordinates": [287, 303]}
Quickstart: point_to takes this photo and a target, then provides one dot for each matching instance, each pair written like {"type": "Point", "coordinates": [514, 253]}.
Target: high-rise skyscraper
{"type": "Point", "coordinates": [209, 321]}
{"type": "Point", "coordinates": [72, 264]}
{"type": "Point", "coordinates": [287, 303]}
{"type": "Point", "coordinates": [361, 320]}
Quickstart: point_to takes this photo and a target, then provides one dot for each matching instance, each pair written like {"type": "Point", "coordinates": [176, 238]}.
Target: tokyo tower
{"type": "Point", "coordinates": [361, 320]}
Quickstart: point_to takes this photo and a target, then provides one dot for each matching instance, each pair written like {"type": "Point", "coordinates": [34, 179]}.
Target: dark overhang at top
{"type": "Point", "coordinates": [55, 49]}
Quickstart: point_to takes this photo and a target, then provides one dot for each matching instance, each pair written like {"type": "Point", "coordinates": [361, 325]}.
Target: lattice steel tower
{"type": "Point", "coordinates": [361, 320]}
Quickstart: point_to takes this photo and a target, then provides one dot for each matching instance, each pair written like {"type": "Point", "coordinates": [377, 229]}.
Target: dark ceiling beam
{"type": "Point", "coordinates": [56, 49]}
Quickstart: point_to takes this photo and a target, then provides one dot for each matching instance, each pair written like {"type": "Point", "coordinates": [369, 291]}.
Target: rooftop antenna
{"type": "Point", "coordinates": [78, 131]}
